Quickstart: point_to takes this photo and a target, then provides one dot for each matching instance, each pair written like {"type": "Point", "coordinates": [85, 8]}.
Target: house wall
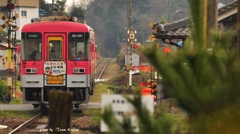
{"type": "Point", "coordinates": [25, 3]}
{"type": "Point", "coordinates": [32, 11]}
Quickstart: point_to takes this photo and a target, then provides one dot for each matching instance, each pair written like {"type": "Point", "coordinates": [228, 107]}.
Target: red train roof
{"type": "Point", "coordinates": [55, 26]}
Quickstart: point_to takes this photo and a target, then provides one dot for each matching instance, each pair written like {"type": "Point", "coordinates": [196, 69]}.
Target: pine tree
{"type": "Point", "coordinates": [203, 81]}
{"type": "Point", "coordinates": [163, 21]}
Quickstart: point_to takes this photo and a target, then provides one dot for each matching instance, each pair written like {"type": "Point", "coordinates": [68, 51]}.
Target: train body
{"type": "Point", "coordinates": [57, 55]}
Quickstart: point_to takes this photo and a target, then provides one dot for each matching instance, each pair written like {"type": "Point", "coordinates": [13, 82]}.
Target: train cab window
{"type": "Point", "coordinates": [77, 51]}
{"type": "Point", "coordinates": [31, 46]}
{"type": "Point", "coordinates": [78, 48]}
{"type": "Point", "coordinates": [55, 50]}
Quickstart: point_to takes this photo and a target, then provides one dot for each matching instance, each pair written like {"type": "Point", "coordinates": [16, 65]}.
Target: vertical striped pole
{"type": "Point", "coordinates": [9, 56]}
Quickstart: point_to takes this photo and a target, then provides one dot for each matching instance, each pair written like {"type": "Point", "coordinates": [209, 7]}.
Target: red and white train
{"type": "Point", "coordinates": [57, 54]}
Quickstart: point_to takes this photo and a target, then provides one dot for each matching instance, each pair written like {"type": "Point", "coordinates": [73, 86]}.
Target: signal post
{"type": "Point", "coordinates": [129, 65]}
{"type": "Point", "coordinates": [131, 38]}
{"type": "Point", "coordinates": [9, 22]}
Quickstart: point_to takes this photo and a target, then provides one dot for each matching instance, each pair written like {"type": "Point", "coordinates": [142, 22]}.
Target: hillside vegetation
{"type": "Point", "coordinates": [109, 19]}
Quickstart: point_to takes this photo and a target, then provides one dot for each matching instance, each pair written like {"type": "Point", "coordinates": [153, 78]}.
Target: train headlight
{"type": "Point", "coordinates": [31, 70]}
{"type": "Point", "coordinates": [34, 70]}
{"type": "Point", "coordinates": [79, 70]}
{"type": "Point", "coordinates": [75, 70]}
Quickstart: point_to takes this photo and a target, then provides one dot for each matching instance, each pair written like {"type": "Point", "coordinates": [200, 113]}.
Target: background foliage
{"type": "Point", "coordinates": [203, 81]}
{"type": "Point", "coordinates": [109, 18]}
{"type": "Point", "coordinates": [3, 89]}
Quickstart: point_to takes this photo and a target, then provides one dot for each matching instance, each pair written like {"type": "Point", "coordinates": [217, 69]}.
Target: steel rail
{"type": "Point", "coordinates": [25, 124]}
{"type": "Point", "coordinates": [99, 62]}
{"type": "Point", "coordinates": [103, 69]}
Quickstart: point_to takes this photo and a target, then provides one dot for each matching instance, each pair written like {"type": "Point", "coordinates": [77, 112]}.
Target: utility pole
{"type": "Point", "coordinates": [211, 18]}
{"type": "Point", "coordinates": [168, 10]}
{"type": "Point", "coordinates": [238, 30]}
{"type": "Point", "coordinates": [72, 8]}
{"type": "Point", "coordinates": [212, 14]}
{"type": "Point", "coordinates": [129, 31]}
{"type": "Point", "coordinates": [9, 54]}
{"type": "Point", "coordinates": [12, 27]}
{"type": "Point", "coordinates": [130, 40]}
{"type": "Point", "coordinates": [10, 7]}
{"type": "Point", "coordinates": [53, 7]}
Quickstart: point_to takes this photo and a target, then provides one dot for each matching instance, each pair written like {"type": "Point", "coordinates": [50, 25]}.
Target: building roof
{"type": "Point", "coordinates": [181, 29]}
{"type": "Point", "coordinates": [21, 3]}
{"type": "Point", "coordinates": [227, 7]}
{"type": "Point", "coordinates": [177, 30]}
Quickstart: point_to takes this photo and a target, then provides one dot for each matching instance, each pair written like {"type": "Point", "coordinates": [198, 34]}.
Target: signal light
{"type": "Point", "coordinates": [128, 68]}
{"type": "Point", "coordinates": [154, 90]}
{"type": "Point", "coordinates": [135, 46]}
{"type": "Point", "coordinates": [10, 6]}
{"type": "Point", "coordinates": [167, 50]}
{"type": "Point", "coordinates": [131, 35]}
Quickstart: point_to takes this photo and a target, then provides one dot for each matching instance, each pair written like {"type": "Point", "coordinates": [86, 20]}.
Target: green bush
{"type": "Point", "coordinates": [16, 101]}
{"type": "Point", "coordinates": [3, 90]}
{"type": "Point", "coordinates": [203, 77]}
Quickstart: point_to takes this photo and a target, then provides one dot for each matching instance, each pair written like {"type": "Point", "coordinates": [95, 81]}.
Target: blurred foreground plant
{"type": "Point", "coordinates": [158, 123]}
{"type": "Point", "coordinates": [203, 79]}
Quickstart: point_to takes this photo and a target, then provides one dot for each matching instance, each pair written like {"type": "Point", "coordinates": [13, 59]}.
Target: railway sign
{"type": "Point", "coordinates": [120, 106]}
{"type": "Point", "coordinates": [8, 22]}
{"type": "Point", "coordinates": [5, 22]}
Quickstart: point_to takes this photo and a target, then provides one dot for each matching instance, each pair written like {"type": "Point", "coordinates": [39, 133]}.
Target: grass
{"type": "Point", "coordinates": [95, 115]}
{"type": "Point", "coordinates": [23, 114]}
{"type": "Point", "coordinates": [18, 84]}
{"type": "Point", "coordinates": [16, 101]}
{"type": "Point", "coordinates": [99, 89]}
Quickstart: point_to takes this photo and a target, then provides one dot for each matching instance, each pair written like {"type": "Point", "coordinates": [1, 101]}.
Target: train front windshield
{"type": "Point", "coordinates": [78, 46]}
{"type": "Point", "coordinates": [31, 46]}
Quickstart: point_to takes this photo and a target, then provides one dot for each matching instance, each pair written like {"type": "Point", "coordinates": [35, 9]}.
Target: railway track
{"type": "Point", "coordinates": [25, 124]}
{"type": "Point", "coordinates": [39, 124]}
{"type": "Point", "coordinates": [101, 67]}
{"type": "Point", "coordinates": [80, 122]}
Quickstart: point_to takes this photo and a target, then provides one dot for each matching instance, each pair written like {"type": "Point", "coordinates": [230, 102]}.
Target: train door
{"type": "Point", "coordinates": [55, 49]}
{"type": "Point", "coordinates": [54, 63]}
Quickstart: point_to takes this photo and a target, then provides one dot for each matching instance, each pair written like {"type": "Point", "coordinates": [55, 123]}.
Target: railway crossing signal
{"type": "Point", "coordinates": [5, 22]}
{"type": "Point", "coordinates": [9, 22]}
